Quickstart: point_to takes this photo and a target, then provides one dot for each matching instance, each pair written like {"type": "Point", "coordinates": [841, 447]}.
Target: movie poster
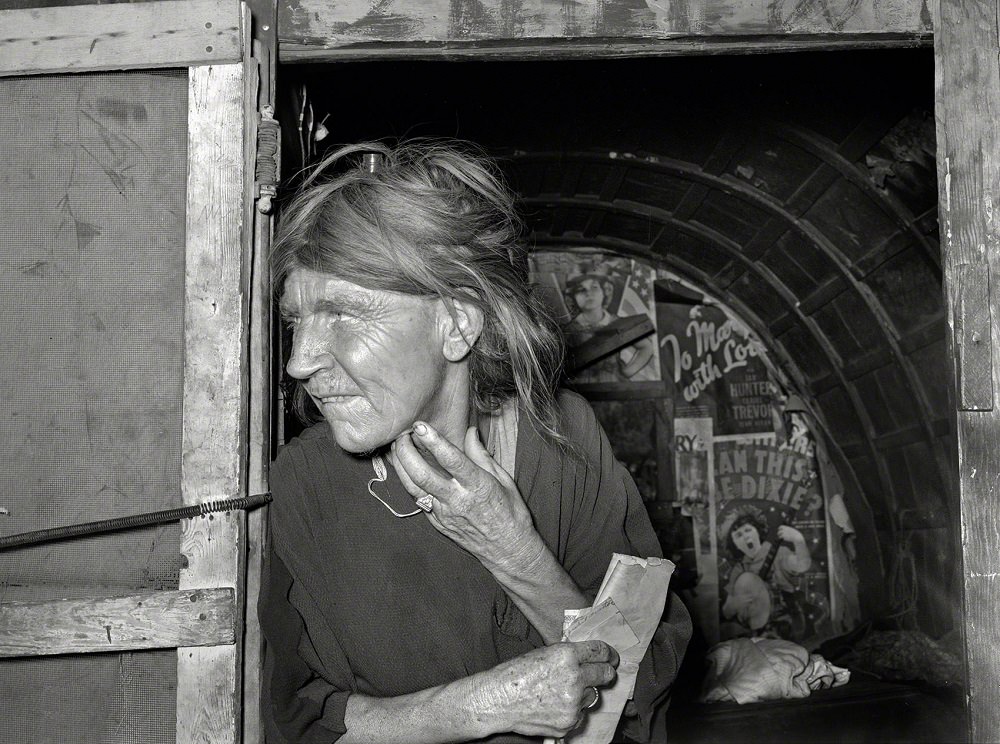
{"type": "Point", "coordinates": [771, 535]}
{"type": "Point", "coordinates": [589, 291]}
{"type": "Point", "coordinates": [747, 477]}
{"type": "Point", "coordinates": [749, 497]}
{"type": "Point", "coordinates": [716, 367]}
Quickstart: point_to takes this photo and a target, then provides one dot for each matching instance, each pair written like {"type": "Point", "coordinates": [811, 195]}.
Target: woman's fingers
{"type": "Point", "coordinates": [553, 688]}
{"type": "Point", "coordinates": [475, 450]}
{"type": "Point", "coordinates": [461, 473]}
{"type": "Point", "coordinates": [598, 661]}
{"type": "Point", "coordinates": [418, 475]}
{"type": "Point", "coordinates": [418, 494]}
{"type": "Point", "coordinates": [595, 651]}
{"type": "Point", "coordinates": [448, 456]}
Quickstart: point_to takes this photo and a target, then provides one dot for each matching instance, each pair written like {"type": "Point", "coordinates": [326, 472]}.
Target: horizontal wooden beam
{"type": "Point", "coordinates": [297, 51]}
{"type": "Point", "coordinates": [86, 38]}
{"type": "Point", "coordinates": [541, 28]}
{"type": "Point", "coordinates": [154, 619]}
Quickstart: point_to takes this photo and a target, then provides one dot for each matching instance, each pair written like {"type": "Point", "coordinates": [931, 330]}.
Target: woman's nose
{"type": "Point", "coordinates": [311, 352]}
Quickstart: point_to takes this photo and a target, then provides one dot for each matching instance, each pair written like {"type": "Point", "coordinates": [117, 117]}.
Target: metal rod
{"type": "Point", "coordinates": [132, 521]}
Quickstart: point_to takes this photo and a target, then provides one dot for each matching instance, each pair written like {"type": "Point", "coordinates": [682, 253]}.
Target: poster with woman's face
{"type": "Point", "coordinates": [588, 291]}
{"type": "Point", "coordinates": [772, 539]}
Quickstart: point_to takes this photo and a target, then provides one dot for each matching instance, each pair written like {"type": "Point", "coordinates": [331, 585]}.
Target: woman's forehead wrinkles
{"type": "Point", "coordinates": [344, 303]}
{"type": "Point", "coordinates": [359, 301]}
{"type": "Point", "coordinates": [332, 296]}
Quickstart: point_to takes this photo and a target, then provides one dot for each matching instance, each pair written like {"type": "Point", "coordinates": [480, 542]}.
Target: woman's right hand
{"type": "Point", "coordinates": [546, 692]}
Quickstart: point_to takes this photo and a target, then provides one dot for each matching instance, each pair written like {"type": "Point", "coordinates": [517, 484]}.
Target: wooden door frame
{"type": "Point", "coordinates": [82, 38]}
{"type": "Point", "coordinates": [967, 82]}
{"type": "Point", "coordinates": [967, 98]}
{"type": "Point", "coordinates": [225, 443]}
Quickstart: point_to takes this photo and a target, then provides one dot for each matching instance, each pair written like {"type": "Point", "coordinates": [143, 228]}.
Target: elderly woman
{"type": "Point", "coordinates": [428, 532]}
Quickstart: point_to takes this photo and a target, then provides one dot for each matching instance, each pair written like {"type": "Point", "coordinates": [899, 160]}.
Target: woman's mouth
{"type": "Point", "coordinates": [333, 399]}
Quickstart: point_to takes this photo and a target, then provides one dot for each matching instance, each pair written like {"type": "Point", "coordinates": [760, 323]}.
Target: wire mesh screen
{"type": "Point", "coordinates": [93, 171]}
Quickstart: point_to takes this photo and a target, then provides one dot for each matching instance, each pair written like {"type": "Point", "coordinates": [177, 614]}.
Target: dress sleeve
{"type": "Point", "coordinates": [298, 705]}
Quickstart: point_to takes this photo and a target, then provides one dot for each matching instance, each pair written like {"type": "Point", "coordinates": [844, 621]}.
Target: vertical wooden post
{"type": "Point", "coordinates": [967, 46]}
{"type": "Point", "coordinates": [215, 390]}
{"type": "Point", "coordinates": [259, 96]}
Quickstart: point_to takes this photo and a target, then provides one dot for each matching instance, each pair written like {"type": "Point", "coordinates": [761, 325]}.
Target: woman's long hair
{"type": "Point", "coordinates": [432, 218]}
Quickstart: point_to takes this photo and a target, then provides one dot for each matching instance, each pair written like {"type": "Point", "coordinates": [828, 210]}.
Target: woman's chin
{"type": "Point", "coordinates": [357, 441]}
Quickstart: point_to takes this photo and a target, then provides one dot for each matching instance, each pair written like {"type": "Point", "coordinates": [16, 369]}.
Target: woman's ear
{"type": "Point", "coordinates": [461, 323]}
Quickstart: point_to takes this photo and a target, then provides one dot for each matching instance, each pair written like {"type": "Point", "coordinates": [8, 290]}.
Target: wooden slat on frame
{"type": "Point", "coordinates": [84, 38]}
{"type": "Point", "coordinates": [152, 619]}
{"type": "Point", "coordinates": [209, 679]}
{"type": "Point", "coordinates": [966, 50]}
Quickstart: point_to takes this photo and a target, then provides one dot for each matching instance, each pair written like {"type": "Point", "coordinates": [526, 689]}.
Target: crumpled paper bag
{"type": "Point", "coordinates": [625, 614]}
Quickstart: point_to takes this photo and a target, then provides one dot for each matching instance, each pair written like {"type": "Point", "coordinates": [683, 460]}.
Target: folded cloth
{"type": "Point", "coordinates": [748, 670]}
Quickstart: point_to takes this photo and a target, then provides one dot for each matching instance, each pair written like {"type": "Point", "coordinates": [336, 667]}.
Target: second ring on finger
{"type": "Point", "coordinates": [595, 701]}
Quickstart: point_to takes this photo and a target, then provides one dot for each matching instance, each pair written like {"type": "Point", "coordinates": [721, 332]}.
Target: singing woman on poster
{"type": "Point", "coordinates": [761, 589]}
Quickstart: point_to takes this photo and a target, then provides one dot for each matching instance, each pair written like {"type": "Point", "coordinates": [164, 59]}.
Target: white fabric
{"type": "Point", "coordinates": [749, 670]}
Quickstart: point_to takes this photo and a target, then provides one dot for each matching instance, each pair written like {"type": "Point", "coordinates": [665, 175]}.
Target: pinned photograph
{"type": "Point", "coordinates": [605, 306]}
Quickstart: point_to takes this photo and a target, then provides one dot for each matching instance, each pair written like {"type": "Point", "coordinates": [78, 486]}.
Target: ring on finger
{"type": "Point", "coordinates": [597, 698]}
{"type": "Point", "coordinates": [426, 502]}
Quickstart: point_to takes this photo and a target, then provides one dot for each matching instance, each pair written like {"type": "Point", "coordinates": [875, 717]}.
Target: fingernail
{"type": "Point", "coordinates": [421, 428]}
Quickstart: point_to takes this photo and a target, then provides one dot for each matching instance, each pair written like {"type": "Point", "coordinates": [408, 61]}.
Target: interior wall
{"type": "Point", "coordinates": [799, 188]}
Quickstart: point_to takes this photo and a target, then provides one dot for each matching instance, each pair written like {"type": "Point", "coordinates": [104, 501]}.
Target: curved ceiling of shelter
{"type": "Point", "coordinates": [798, 188]}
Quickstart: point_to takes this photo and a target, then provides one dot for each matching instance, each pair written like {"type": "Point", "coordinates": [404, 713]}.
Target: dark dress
{"type": "Point", "coordinates": [355, 599]}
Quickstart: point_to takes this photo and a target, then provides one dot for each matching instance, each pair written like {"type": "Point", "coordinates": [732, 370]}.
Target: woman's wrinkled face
{"type": "Point", "coordinates": [746, 539]}
{"type": "Point", "coordinates": [371, 360]}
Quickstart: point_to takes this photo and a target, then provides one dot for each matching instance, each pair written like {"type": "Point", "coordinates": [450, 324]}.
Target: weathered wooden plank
{"type": "Point", "coordinates": [968, 156]}
{"type": "Point", "coordinates": [156, 619]}
{"type": "Point", "coordinates": [542, 50]}
{"type": "Point", "coordinates": [215, 407]}
{"type": "Point", "coordinates": [972, 323]}
{"type": "Point", "coordinates": [260, 96]}
{"type": "Point", "coordinates": [320, 24]}
{"type": "Point", "coordinates": [170, 33]}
